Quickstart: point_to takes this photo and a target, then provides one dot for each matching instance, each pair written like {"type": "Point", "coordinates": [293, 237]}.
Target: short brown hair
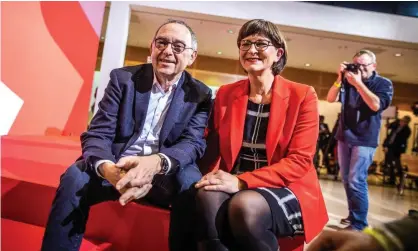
{"type": "Point", "coordinates": [270, 30]}
{"type": "Point", "coordinates": [368, 52]}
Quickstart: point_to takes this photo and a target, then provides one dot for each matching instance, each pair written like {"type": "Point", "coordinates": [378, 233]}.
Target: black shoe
{"type": "Point", "coordinates": [349, 228]}
{"type": "Point", "coordinates": [345, 221]}
{"type": "Point", "coordinates": [400, 190]}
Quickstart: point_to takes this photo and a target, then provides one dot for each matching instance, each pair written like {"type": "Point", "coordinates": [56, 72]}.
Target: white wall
{"type": "Point", "coordinates": [115, 44]}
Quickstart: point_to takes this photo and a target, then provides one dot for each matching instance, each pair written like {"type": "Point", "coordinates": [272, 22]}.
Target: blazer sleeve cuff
{"type": "Point", "coordinates": [98, 163]}
{"type": "Point", "coordinates": [248, 179]}
{"type": "Point", "coordinates": [175, 158]}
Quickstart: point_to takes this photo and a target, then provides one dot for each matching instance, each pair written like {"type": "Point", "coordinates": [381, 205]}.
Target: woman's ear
{"type": "Point", "coordinates": [279, 54]}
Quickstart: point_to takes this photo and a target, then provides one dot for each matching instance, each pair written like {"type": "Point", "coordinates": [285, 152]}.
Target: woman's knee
{"type": "Point", "coordinates": [207, 198]}
{"type": "Point", "coordinates": [211, 205]}
{"type": "Point", "coordinates": [246, 210]}
{"type": "Point", "coordinates": [202, 197]}
{"type": "Point", "coordinates": [211, 213]}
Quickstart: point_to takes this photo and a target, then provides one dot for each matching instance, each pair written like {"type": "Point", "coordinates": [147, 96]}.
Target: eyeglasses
{"type": "Point", "coordinates": [177, 47]}
{"type": "Point", "coordinates": [363, 65]}
{"type": "Point", "coordinates": [260, 45]}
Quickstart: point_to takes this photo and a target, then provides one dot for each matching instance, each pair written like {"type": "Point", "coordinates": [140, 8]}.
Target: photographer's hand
{"type": "Point", "coordinates": [334, 91]}
{"type": "Point", "coordinates": [372, 101]}
{"type": "Point", "coordinates": [341, 69]}
{"type": "Point", "coordinates": [354, 79]}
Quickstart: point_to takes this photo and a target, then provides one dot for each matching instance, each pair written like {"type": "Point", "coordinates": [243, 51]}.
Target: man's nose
{"type": "Point", "coordinates": [168, 49]}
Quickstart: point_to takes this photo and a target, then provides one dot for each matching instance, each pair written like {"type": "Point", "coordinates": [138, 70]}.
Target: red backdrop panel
{"type": "Point", "coordinates": [49, 50]}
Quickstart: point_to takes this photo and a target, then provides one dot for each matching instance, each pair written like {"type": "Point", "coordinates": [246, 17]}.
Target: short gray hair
{"type": "Point", "coordinates": [176, 21]}
{"type": "Point", "coordinates": [368, 52]}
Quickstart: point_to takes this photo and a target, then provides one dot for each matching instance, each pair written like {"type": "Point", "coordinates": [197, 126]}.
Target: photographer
{"type": "Point", "coordinates": [363, 95]}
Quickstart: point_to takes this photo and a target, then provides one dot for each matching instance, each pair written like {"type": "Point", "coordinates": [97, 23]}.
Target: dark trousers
{"type": "Point", "coordinates": [79, 189]}
{"type": "Point", "coordinates": [393, 161]}
{"type": "Point", "coordinates": [325, 159]}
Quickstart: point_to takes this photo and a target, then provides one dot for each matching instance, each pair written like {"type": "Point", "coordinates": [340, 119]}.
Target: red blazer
{"type": "Point", "coordinates": [290, 144]}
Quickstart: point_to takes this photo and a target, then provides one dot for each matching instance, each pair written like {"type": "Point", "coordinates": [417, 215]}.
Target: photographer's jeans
{"type": "Point", "coordinates": [354, 162]}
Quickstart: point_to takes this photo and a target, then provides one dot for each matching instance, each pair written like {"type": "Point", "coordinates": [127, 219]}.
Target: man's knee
{"type": "Point", "coordinates": [344, 179]}
{"type": "Point", "coordinates": [74, 179]}
{"type": "Point", "coordinates": [187, 177]}
{"type": "Point", "coordinates": [358, 182]}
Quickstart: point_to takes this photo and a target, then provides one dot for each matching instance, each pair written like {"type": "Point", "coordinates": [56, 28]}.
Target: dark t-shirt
{"type": "Point", "coordinates": [359, 125]}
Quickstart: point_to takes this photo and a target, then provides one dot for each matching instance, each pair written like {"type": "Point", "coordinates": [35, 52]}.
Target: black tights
{"type": "Point", "coordinates": [242, 221]}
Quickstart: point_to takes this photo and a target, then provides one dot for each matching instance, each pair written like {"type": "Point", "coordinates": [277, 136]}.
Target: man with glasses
{"type": "Point", "coordinates": [143, 141]}
{"type": "Point", "coordinates": [364, 94]}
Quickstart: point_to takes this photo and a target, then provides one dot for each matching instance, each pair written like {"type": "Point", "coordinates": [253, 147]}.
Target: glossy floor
{"type": "Point", "coordinates": [385, 204]}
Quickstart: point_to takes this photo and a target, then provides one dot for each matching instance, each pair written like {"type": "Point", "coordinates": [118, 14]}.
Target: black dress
{"type": "Point", "coordinates": [283, 203]}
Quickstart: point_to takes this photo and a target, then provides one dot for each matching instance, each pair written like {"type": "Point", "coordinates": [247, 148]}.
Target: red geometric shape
{"type": "Point", "coordinates": [130, 228]}
{"type": "Point", "coordinates": [71, 29]}
{"type": "Point", "coordinates": [25, 237]}
{"type": "Point", "coordinates": [36, 69]}
{"type": "Point", "coordinates": [38, 159]}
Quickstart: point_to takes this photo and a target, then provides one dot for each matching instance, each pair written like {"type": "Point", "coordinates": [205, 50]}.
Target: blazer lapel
{"type": "Point", "coordinates": [176, 107]}
{"type": "Point", "coordinates": [237, 122]}
{"type": "Point", "coordinates": [278, 108]}
{"type": "Point", "coordinates": [143, 84]}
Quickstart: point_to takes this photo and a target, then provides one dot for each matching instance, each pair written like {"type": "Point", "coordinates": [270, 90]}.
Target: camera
{"type": "Point", "coordinates": [352, 67]}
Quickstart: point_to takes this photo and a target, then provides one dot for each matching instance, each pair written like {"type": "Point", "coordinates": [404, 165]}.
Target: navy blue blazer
{"type": "Point", "coordinates": [121, 117]}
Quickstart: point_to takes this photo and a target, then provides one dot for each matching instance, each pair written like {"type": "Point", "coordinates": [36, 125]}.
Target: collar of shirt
{"type": "Point", "coordinates": [371, 78]}
{"type": "Point", "coordinates": [157, 85]}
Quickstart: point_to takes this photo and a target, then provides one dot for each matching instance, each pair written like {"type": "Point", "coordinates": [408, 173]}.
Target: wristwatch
{"type": "Point", "coordinates": [164, 164]}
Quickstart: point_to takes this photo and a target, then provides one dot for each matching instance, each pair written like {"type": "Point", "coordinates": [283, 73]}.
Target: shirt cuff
{"type": "Point", "coordinates": [168, 161]}
{"type": "Point", "coordinates": [98, 163]}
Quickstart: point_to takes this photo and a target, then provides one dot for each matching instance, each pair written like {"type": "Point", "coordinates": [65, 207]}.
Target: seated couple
{"type": "Point", "coordinates": [150, 141]}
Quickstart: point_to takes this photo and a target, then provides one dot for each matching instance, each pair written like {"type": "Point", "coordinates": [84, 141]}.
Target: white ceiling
{"type": "Point", "coordinates": [322, 50]}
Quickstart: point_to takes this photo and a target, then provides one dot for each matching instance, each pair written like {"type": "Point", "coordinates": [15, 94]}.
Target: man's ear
{"type": "Point", "coordinates": [193, 57]}
{"type": "Point", "coordinates": [150, 47]}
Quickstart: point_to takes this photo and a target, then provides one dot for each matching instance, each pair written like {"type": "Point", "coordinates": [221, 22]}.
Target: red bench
{"type": "Point", "coordinates": [25, 237]}
{"type": "Point", "coordinates": [31, 167]}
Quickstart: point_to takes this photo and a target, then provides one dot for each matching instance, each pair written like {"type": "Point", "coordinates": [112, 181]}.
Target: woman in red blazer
{"type": "Point", "coordinates": [260, 182]}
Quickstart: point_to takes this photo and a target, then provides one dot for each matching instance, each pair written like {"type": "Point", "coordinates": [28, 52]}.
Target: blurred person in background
{"type": "Point", "coordinates": [324, 134]}
{"type": "Point", "coordinates": [364, 94]}
{"type": "Point", "coordinates": [394, 145]}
